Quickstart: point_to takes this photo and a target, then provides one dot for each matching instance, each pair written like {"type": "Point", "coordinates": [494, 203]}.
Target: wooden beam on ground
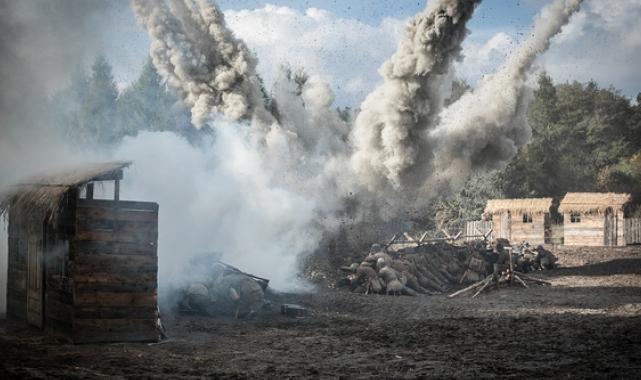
{"type": "Point", "coordinates": [473, 286]}
{"type": "Point", "coordinates": [488, 280]}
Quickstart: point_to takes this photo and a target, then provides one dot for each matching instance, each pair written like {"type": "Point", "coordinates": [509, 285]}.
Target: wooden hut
{"type": "Point", "coordinates": [80, 267]}
{"type": "Point", "coordinates": [594, 219]}
{"type": "Point", "coordinates": [519, 219]}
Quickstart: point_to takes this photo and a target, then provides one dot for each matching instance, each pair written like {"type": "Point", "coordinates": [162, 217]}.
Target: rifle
{"type": "Point", "coordinates": [263, 282]}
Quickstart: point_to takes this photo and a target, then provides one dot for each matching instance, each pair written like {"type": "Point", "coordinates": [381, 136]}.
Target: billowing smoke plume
{"type": "Point", "coordinates": [485, 127]}
{"type": "Point", "coordinates": [403, 146]}
{"type": "Point", "coordinates": [388, 132]}
{"type": "Point", "coordinates": [265, 198]}
{"type": "Point", "coordinates": [193, 49]}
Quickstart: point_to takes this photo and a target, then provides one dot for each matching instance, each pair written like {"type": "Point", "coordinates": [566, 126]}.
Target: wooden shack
{"type": "Point", "coordinates": [593, 219]}
{"type": "Point", "coordinates": [79, 267]}
{"type": "Point", "coordinates": [519, 220]}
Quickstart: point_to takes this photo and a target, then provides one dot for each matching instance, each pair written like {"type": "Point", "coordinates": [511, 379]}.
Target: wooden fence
{"type": "Point", "coordinates": [478, 229]}
{"type": "Point", "coordinates": [632, 231]}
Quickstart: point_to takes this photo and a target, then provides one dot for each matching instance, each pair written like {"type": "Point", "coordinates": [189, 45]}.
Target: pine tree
{"type": "Point", "coordinates": [147, 104]}
{"type": "Point", "coordinates": [98, 113]}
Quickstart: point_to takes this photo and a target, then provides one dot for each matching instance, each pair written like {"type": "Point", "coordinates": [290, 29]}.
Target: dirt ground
{"type": "Point", "coordinates": [586, 325]}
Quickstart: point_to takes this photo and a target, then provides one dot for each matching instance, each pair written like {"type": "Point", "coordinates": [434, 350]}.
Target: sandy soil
{"type": "Point", "coordinates": [586, 325]}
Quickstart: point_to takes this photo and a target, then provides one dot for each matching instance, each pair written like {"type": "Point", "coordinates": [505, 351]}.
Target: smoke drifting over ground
{"type": "Point", "coordinates": [276, 178]}
{"type": "Point", "coordinates": [219, 198]}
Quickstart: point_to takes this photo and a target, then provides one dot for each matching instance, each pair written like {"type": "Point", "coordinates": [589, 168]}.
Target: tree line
{"type": "Point", "coordinates": [584, 137]}
{"type": "Point", "coordinates": [91, 111]}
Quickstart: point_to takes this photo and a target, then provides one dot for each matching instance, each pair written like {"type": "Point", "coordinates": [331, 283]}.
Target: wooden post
{"type": "Point", "coordinates": [511, 273]}
{"type": "Point", "coordinates": [117, 190]}
{"type": "Point", "coordinates": [89, 189]}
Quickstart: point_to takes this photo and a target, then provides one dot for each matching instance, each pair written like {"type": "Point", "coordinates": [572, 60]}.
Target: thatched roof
{"type": "Point", "coordinates": [592, 202]}
{"type": "Point", "coordinates": [45, 192]}
{"type": "Point", "coordinates": [533, 205]}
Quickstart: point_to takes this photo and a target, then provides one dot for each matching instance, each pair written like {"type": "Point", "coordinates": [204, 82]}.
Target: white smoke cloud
{"type": "Point", "coordinates": [220, 197]}
{"type": "Point", "coordinates": [199, 56]}
{"type": "Point", "coordinates": [264, 199]}
{"type": "Point", "coordinates": [486, 127]}
{"type": "Point", "coordinates": [387, 132]}
{"type": "Point", "coordinates": [342, 51]}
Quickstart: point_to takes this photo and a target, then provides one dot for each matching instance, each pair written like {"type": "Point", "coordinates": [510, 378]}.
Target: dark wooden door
{"type": "Point", "coordinates": [35, 289]}
{"type": "Point", "coordinates": [610, 229]}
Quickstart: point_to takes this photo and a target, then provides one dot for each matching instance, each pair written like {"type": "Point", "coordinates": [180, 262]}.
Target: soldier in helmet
{"type": "Point", "coordinates": [502, 260]}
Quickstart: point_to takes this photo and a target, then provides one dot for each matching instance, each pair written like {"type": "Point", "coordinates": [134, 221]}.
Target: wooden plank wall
{"type": "Point", "coordinates": [115, 266]}
{"type": "Point", "coordinates": [556, 234]}
{"type": "Point", "coordinates": [588, 232]}
{"type": "Point", "coordinates": [620, 222]}
{"type": "Point", "coordinates": [4, 253]}
{"type": "Point", "coordinates": [17, 266]}
{"type": "Point", "coordinates": [496, 226]}
{"type": "Point", "coordinates": [534, 232]}
{"type": "Point", "coordinates": [633, 231]}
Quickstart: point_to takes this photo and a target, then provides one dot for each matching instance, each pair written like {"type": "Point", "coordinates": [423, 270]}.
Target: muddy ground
{"type": "Point", "coordinates": [586, 325]}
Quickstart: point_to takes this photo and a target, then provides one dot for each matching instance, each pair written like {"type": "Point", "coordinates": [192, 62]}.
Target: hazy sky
{"type": "Point", "coordinates": [346, 41]}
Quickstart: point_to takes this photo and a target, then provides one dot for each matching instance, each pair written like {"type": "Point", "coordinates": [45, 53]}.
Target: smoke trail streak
{"type": "Point", "coordinates": [485, 127]}
{"type": "Point", "coordinates": [387, 131]}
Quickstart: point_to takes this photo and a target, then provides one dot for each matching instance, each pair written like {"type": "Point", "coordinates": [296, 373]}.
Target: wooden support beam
{"type": "Point", "coordinates": [409, 237]}
{"type": "Point", "coordinates": [89, 189]}
{"type": "Point", "coordinates": [391, 241]}
{"type": "Point", "coordinates": [117, 190]}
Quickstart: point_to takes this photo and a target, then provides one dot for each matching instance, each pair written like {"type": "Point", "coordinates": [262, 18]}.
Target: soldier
{"type": "Point", "coordinates": [544, 258]}
{"type": "Point", "coordinates": [238, 292]}
{"type": "Point", "coordinates": [502, 260]}
{"type": "Point", "coordinates": [225, 291]}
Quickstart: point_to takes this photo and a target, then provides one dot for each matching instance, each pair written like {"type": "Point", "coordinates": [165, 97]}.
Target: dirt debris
{"type": "Point", "coordinates": [592, 330]}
